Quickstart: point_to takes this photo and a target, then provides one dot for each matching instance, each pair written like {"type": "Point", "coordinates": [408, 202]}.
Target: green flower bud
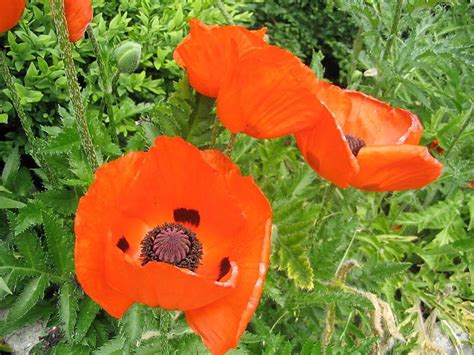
{"type": "Point", "coordinates": [128, 56]}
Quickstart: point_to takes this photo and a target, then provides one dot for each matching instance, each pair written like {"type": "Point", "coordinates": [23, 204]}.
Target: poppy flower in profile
{"type": "Point", "coordinates": [365, 143]}
{"type": "Point", "coordinates": [78, 16]}
{"type": "Point", "coordinates": [208, 53]}
{"type": "Point", "coordinates": [177, 228]}
{"type": "Point", "coordinates": [11, 11]}
{"type": "Point", "coordinates": [269, 94]}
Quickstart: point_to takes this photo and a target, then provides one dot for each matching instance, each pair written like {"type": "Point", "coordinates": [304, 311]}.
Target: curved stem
{"type": "Point", "coordinates": [24, 119]}
{"type": "Point", "coordinates": [57, 9]}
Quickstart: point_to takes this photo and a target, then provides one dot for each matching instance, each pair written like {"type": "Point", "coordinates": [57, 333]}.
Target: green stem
{"type": "Point", "coordinates": [106, 83]}
{"type": "Point", "coordinates": [230, 145]}
{"type": "Point", "coordinates": [224, 12]}
{"type": "Point", "coordinates": [329, 325]}
{"type": "Point", "coordinates": [215, 132]}
{"type": "Point", "coordinates": [24, 119]}
{"type": "Point", "coordinates": [57, 9]}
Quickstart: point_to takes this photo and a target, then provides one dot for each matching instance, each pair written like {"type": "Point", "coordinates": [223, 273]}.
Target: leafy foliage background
{"type": "Point", "coordinates": [351, 272]}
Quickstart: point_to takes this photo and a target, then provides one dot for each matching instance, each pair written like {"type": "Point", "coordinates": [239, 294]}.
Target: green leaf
{"type": "Point", "coordinates": [29, 215]}
{"type": "Point", "coordinates": [60, 243]}
{"type": "Point", "coordinates": [68, 308]}
{"type": "Point", "coordinates": [30, 248]}
{"type": "Point", "coordinates": [30, 295]}
{"type": "Point", "coordinates": [112, 347]}
{"type": "Point", "coordinates": [471, 213]}
{"type": "Point", "coordinates": [61, 201]}
{"type": "Point", "coordinates": [131, 325]}
{"type": "Point", "coordinates": [11, 167]}
{"type": "Point", "coordinates": [8, 203]}
{"type": "Point", "coordinates": [4, 286]}
{"type": "Point", "coordinates": [88, 311]}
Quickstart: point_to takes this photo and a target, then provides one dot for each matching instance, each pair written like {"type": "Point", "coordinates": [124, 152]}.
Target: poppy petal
{"type": "Point", "coordinates": [377, 123]}
{"type": "Point", "coordinates": [395, 167]}
{"type": "Point", "coordinates": [269, 94]}
{"type": "Point", "coordinates": [174, 176]}
{"type": "Point", "coordinates": [11, 13]}
{"type": "Point", "coordinates": [91, 229]}
{"type": "Point", "coordinates": [158, 284]}
{"type": "Point", "coordinates": [325, 149]}
{"type": "Point", "coordinates": [221, 324]}
{"type": "Point", "coordinates": [210, 52]}
{"type": "Point", "coordinates": [78, 16]}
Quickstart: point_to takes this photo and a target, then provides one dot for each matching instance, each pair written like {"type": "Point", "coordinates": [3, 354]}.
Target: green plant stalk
{"type": "Point", "coordinates": [329, 324]}
{"type": "Point", "coordinates": [106, 83]}
{"type": "Point", "coordinates": [24, 119]}
{"type": "Point", "coordinates": [230, 145]}
{"type": "Point", "coordinates": [59, 17]}
{"type": "Point", "coordinates": [215, 132]}
{"type": "Point", "coordinates": [224, 12]}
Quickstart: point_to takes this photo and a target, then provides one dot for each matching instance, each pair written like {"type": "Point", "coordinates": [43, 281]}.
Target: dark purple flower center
{"type": "Point", "coordinates": [174, 244]}
{"type": "Point", "coordinates": [355, 143]}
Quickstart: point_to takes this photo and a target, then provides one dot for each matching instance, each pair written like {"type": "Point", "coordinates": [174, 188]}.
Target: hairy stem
{"type": "Point", "coordinates": [329, 324]}
{"type": "Point", "coordinates": [106, 83]}
{"type": "Point", "coordinates": [57, 8]}
{"type": "Point", "coordinates": [230, 145]}
{"type": "Point", "coordinates": [24, 119]}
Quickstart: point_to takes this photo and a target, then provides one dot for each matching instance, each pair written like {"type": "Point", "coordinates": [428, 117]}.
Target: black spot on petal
{"type": "Point", "coordinates": [187, 216]}
{"type": "Point", "coordinates": [122, 244]}
{"type": "Point", "coordinates": [224, 268]}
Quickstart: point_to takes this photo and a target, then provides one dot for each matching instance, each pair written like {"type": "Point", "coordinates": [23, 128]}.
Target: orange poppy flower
{"type": "Point", "coordinates": [78, 16]}
{"type": "Point", "coordinates": [176, 228]}
{"type": "Point", "coordinates": [365, 143]}
{"type": "Point", "coordinates": [208, 53]}
{"type": "Point", "coordinates": [269, 94]}
{"type": "Point", "coordinates": [11, 11]}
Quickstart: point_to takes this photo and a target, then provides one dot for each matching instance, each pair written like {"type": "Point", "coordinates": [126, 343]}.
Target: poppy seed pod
{"type": "Point", "coordinates": [11, 11]}
{"type": "Point", "coordinates": [127, 55]}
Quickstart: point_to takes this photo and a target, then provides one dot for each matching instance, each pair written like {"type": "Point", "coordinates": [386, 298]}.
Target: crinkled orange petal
{"type": "Point", "coordinates": [325, 149]}
{"type": "Point", "coordinates": [91, 229]}
{"type": "Point", "coordinates": [210, 52]}
{"type": "Point", "coordinates": [222, 323]}
{"type": "Point", "coordinates": [162, 285]}
{"type": "Point", "coordinates": [175, 175]}
{"type": "Point", "coordinates": [395, 167]}
{"type": "Point", "coordinates": [78, 16]}
{"type": "Point", "coordinates": [11, 11]}
{"type": "Point", "coordinates": [363, 116]}
{"type": "Point", "coordinates": [269, 94]}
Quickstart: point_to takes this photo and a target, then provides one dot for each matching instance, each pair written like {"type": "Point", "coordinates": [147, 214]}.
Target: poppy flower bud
{"type": "Point", "coordinates": [128, 56]}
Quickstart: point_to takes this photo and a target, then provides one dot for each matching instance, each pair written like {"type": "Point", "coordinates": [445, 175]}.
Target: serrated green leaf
{"type": "Point", "coordinates": [60, 243]}
{"type": "Point", "coordinates": [8, 203]}
{"type": "Point", "coordinates": [112, 347]}
{"type": "Point", "coordinates": [28, 216]}
{"type": "Point", "coordinates": [31, 250]}
{"type": "Point", "coordinates": [87, 312]}
{"type": "Point", "coordinates": [131, 325]}
{"type": "Point", "coordinates": [68, 308]}
{"type": "Point", "coordinates": [30, 295]}
{"type": "Point", "coordinates": [11, 167]}
{"type": "Point", "coordinates": [4, 287]}
{"type": "Point", "coordinates": [61, 201]}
